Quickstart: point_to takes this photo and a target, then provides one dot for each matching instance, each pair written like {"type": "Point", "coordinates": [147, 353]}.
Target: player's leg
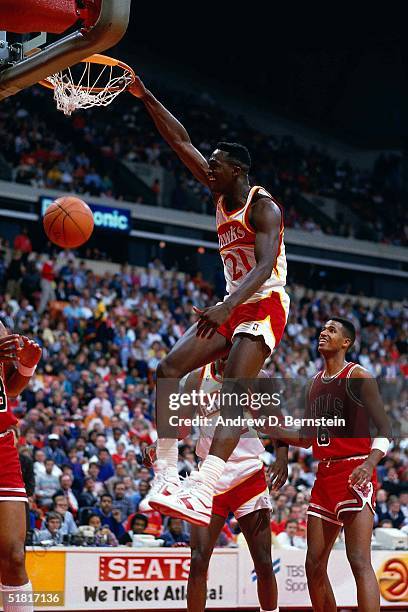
{"type": "Point", "coordinates": [191, 352]}
{"type": "Point", "coordinates": [202, 544]}
{"type": "Point", "coordinates": [193, 500]}
{"type": "Point", "coordinates": [245, 360]}
{"type": "Point", "coordinates": [358, 529]}
{"type": "Point", "coordinates": [321, 536]}
{"type": "Point", "coordinates": [188, 354]}
{"type": "Point", "coordinates": [257, 532]}
{"type": "Point", "coordinates": [13, 574]}
{"type": "Point", "coordinates": [254, 338]}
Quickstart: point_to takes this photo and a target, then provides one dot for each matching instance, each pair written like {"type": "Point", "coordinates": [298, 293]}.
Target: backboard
{"type": "Point", "coordinates": [42, 37]}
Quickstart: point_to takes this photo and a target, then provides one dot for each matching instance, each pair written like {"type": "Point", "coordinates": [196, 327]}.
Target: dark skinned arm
{"type": "Point", "coordinates": [370, 395]}
{"type": "Point", "coordinates": [278, 471]}
{"type": "Point", "coordinates": [173, 132]}
{"type": "Point", "coordinates": [266, 219]}
{"type": "Point", "coordinates": [28, 353]}
{"type": "Point", "coordinates": [290, 435]}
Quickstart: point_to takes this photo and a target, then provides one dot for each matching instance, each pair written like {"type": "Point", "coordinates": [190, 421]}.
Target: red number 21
{"type": "Point", "coordinates": [236, 272]}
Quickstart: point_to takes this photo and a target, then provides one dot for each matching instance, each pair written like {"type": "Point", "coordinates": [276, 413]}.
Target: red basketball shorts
{"type": "Point", "coordinates": [332, 495]}
{"type": "Point", "coordinates": [266, 318]}
{"type": "Point", "coordinates": [250, 495]}
{"type": "Point", "coordinates": [11, 480]}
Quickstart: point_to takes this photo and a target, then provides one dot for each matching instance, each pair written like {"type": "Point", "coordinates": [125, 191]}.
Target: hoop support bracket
{"type": "Point", "coordinates": [71, 49]}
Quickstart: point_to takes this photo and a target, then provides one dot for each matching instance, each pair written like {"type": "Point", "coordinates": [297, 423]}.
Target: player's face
{"type": "Point", "coordinates": [221, 174]}
{"type": "Point", "coordinates": [331, 338]}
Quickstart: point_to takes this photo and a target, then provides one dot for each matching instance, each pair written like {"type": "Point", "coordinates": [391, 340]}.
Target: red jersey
{"type": "Point", "coordinates": [7, 418]}
{"type": "Point", "coordinates": [333, 397]}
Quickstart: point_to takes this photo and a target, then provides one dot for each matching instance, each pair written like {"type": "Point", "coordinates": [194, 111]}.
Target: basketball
{"type": "Point", "coordinates": [68, 222]}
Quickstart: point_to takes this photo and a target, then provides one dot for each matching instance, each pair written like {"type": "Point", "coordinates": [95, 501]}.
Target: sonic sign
{"type": "Point", "coordinates": [105, 217]}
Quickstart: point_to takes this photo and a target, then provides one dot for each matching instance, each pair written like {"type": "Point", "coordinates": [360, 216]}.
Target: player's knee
{"type": "Point", "coordinates": [263, 565]}
{"type": "Point", "coordinates": [12, 561]}
{"type": "Point", "coordinates": [200, 561]}
{"type": "Point", "coordinates": [315, 567]}
{"type": "Point", "coordinates": [167, 369]}
{"type": "Point", "coordinates": [359, 562]}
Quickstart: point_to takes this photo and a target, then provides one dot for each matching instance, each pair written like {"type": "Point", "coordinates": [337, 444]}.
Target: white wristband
{"type": "Point", "coordinates": [381, 444]}
{"type": "Point", "coordinates": [25, 370]}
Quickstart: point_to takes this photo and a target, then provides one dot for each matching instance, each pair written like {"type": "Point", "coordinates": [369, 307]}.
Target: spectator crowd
{"type": "Point", "coordinates": [88, 412]}
{"type": "Point", "coordinates": [80, 155]}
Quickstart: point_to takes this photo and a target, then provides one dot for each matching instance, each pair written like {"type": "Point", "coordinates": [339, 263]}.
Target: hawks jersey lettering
{"type": "Point", "coordinates": [7, 418]}
{"type": "Point", "coordinates": [244, 460]}
{"type": "Point", "coordinates": [236, 240]}
{"type": "Point", "coordinates": [332, 397]}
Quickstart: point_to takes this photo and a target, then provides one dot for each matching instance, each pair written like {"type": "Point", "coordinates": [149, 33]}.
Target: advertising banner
{"type": "Point", "coordinates": [289, 565]}
{"type": "Point", "coordinates": [150, 579]}
{"type": "Point", "coordinates": [145, 580]}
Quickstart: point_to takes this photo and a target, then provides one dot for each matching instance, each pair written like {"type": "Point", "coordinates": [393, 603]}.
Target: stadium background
{"type": "Point", "coordinates": [325, 118]}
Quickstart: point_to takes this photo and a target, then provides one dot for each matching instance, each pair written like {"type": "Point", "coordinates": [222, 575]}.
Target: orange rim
{"type": "Point", "coordinates": [103, 60]}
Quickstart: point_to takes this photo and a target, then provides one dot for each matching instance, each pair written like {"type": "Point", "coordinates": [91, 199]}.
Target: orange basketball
{"type": "Point", "coordinates": [68, 222]}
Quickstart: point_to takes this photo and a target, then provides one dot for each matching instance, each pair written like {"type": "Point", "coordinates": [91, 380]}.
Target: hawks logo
{"type": "Point", "coordinates": [393, 579]}
{"type": "Point", "coordinates": [229, 233]}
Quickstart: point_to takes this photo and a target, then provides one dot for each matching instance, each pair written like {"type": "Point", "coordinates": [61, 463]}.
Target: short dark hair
{"type": "Point", "coordinates": [237, 153]}
{"type": "Point", "coordinates": [348, 328]}
{"type": "Point", "coordinates": [139, 517]}
{"type": "Point", "coordinates": [106, 495]}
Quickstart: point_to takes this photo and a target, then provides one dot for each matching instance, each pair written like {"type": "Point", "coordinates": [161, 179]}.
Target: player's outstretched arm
{"type": "Point", "coordinates": [173, 132]}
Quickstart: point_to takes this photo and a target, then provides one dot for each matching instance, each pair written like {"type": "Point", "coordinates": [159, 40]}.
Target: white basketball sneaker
{"type": "Point", "coordinates": [192, 501]}
{"type": "Point", "coordinates": [165, 482]}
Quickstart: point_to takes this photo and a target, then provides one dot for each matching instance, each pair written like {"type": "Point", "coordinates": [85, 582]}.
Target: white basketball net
{"type": "Point", "coordinates": [89, 91]}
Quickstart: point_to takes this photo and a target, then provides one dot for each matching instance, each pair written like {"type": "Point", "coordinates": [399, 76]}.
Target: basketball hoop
{"type": "Point", "coordinates": [96, 81]}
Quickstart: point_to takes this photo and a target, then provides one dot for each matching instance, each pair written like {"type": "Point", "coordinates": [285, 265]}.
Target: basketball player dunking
{"type": "Point", "coordinates": [344, 491]}
{"type": "Point", "coordinates": [18, 359]}
{"type": "Point", "coordinates": [249, 323]}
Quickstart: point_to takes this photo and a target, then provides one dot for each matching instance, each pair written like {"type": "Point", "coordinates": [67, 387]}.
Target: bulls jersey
{"type": "Point", "coordinates": [7, 418]}
{"type": "Point", "coordinates": [236, 239]}
{"type": "Point", "coordinates": [332, 397]}
{"type": "Point", "coordinates": [245, 458]}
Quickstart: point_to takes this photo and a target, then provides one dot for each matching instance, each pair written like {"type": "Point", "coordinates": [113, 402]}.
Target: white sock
{"type": "Point", "coordinates": [9, 605]}
{"type": "Point", "coordinates": [262, 610]}
{"type": "Point", "coordinates": [167, 451]}
{"type": "Point", "coordinates": [211, 470]}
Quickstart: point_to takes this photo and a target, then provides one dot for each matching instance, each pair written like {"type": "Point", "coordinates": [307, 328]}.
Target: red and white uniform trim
{"type": "Point", "coordinates": [332, 495]}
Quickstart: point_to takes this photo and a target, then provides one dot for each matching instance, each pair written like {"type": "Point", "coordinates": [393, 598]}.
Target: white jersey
{"type": "Point", "coordinates": [245, 459]}
{"type": "Point", "coordinates": [236, 239]}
